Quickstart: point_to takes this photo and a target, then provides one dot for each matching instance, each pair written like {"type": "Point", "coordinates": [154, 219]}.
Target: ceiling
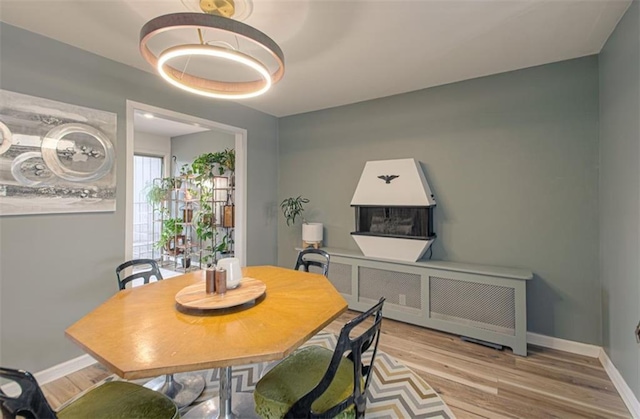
{"type": "Point", "coordinates": [160, 125]}
{"type": "Point", "coordinates": [347, 51]}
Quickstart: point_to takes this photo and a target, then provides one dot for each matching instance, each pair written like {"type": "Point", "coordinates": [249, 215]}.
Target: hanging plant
{"type": "Point", "coordinates": [158, 191]}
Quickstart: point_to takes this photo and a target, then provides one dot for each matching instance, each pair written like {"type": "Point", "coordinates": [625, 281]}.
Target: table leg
{"type": "Point", "coordinates": [244, 406]}
{"type": "Point", "coordinates": [225, 394]}
{"type": "Point", "coordinates": [183, 390]}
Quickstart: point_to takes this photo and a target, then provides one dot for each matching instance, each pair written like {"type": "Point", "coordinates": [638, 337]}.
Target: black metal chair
{"type": "Point", "coordinates": [153, 271]}
{"type": "Point", "coordinates": [313, 257]}
{"type": "Point", "coordinates": [188, 387]}
{"type": "Point", "coordinates": [315, 382]}
{"type": "Point", "coordinates": [114, 399]}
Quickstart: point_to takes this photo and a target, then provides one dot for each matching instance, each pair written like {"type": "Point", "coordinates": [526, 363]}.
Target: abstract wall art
{"type": "Point", "coordinates": [55, 157]}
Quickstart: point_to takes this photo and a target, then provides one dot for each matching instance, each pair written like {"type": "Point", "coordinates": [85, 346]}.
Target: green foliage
{"type": "Point", "coordinates": [205, 165]}
{"type": "Point", "coordinates": [186, 170]}
{"type": "Point", "coordinates": [158, 191]}
{"type": "Point", "coordinates": [203, 220]}
{"type": "Point", "coordinates": [171, 227]}
{"type": "Point", "coordinates": [293, 207]}
{"type": "Point", "coordinates": [223, 246]}
{"type": "Point", "coordinates": [229, 159]}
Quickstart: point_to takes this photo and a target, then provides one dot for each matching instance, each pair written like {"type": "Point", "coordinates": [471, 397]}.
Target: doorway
{"type": "Point", "coordinates": [239, 136]}
{"type": "Point", "coordinates": [146, 228]}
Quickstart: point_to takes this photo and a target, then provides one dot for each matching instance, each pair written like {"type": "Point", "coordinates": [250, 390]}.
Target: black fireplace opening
{"type": "Point", "coordinates": [395, 221]}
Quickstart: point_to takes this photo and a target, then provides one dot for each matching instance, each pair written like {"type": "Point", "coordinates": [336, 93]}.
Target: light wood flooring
{"type": "Point", "coordinates": [474, 381]}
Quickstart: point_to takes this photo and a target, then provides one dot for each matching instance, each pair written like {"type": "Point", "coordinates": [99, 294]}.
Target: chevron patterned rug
{"type": "Point", "coordinates": [395, 392]}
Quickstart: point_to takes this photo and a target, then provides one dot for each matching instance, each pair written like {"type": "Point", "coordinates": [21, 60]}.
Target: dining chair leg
{"type": "Point", "coordinates": [183, 389]}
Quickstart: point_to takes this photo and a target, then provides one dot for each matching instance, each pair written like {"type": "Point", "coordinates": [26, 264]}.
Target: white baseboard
{"type": "Point", "coordinates": [592, 351]}
{"type": "Point", "coordinates": [570, 346]}
{"type": "Point", "coordinates": [628, 397]}
{"type": "Point", "coordinates": [57, 371]}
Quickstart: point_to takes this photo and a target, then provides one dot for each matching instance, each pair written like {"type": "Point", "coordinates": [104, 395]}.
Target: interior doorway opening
{"type": "Point", "coordinates": [137, 236]}
{"type": "Point", "coordinates": [146, 227]}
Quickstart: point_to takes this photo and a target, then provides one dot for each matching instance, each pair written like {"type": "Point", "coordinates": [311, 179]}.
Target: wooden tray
{"type": "Point", "coordinates": [195, 296]}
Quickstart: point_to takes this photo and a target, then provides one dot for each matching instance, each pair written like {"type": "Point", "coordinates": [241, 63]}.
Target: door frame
{"type": "Point", "coordinates": [240, 135]}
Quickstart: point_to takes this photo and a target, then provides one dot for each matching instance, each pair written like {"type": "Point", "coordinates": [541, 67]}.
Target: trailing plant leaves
{"type": "Point", "coordinates": [205, 164]}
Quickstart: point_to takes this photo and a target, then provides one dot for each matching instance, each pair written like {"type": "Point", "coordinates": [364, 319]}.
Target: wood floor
{"type": "Point", "coordinates": [474, 381]}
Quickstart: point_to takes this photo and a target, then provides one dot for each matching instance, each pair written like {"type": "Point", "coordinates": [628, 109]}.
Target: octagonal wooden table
{"type": "Point", "coordinates": [141, 332]}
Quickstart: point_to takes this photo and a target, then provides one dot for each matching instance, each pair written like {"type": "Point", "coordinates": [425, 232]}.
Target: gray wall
{"type": "Point", "coordinates": [56, 268]}
{"type": "Point", "coordinates": [620, 194]}
{"type": "Point", "coordinates": [512, 160]}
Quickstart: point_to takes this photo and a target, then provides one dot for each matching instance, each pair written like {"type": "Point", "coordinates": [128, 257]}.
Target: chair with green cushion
{"type": "Point", "coordinates": [114, 399]}
{"type": "Point", "coordinates": [182, 390]}
{"type": "Point", "coordinates": [315, 382]}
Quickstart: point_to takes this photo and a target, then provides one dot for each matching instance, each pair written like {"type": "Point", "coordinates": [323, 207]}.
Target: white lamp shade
{"type": "Point", "coordinates": [312, 232]}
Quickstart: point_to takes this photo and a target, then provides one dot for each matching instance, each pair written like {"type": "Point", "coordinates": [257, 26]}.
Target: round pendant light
{"type": "Point", "coordinates": [200, 84]}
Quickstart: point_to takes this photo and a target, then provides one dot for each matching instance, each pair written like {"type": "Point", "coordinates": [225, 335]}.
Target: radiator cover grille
{"type": "Point", "coordinates": [400, 288]}
{"type": "Point", "coordinates": [340, 277]}
{"type": "Point", "coordinates": [486, 306]}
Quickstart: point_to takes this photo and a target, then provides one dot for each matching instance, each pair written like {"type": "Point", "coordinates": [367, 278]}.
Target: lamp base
{"type": "Point", "coordinates": [315, 245]}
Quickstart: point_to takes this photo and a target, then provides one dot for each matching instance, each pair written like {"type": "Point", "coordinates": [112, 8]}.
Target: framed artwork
{"type": "Point", "coordinates": [55, 157]}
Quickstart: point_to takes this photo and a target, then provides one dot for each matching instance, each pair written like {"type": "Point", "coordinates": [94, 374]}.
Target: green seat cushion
{"type": "Point", "coordinates": [298, 374]}
{"type": "Point", "coordinates": [120, 399]}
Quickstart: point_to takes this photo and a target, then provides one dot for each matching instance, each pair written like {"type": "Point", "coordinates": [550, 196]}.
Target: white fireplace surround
{"type": "Point", "coordinates": [399, 182]}
{"type": "Point", "coordinates": [409, 188]}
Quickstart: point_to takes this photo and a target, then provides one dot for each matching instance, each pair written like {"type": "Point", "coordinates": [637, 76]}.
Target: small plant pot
{"type": "Point", "coordinates": [312, 232]}
{"type": "Point", "coordinates": [187, 215]}
{"type": "Point", "coordinates": [185, 262]}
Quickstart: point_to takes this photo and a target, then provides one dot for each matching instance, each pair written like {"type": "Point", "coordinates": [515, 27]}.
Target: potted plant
{"type": "Point", "coordinates": [292, 208]}
{"type": "Point", "coordinates": [186, 170]}
{"type": "Point", "coordinates": [185, 262]}
{"type": "Point", "coordinates": [223, 246]}
{"type": "Point", "coordinates": [228, 159]}
{"type": "Point", "coordinates": [171, 231]}
{"type": "Point", "coordinates": [187, 212]}
{"type": "Point", "coordinates": [205, 165]}
{"type": "Point", "coordinates": [159, 191]}
{"type": "Point", "coordinates": [311, 232]}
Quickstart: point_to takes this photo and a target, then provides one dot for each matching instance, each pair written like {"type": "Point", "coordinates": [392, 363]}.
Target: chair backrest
{"type": "Point", "coordinates": [354, 347]}
{"type": "Point", "coordinates": [313, 257]}
{"type": "Point", "coordinates": [153, 270]}
{"type": "Point", "coordinates": [31, 402]}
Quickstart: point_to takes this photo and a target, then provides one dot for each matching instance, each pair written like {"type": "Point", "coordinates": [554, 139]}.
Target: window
{"type": "Point", "coordinates": [146, 230]}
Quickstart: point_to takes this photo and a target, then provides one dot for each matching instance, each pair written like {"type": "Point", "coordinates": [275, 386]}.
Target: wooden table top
{"type": "Point", "coordinates": [140, 333]}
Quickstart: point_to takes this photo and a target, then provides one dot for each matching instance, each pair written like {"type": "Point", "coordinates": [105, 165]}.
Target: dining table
{"type": "Point", "coordinates": [145, 332]}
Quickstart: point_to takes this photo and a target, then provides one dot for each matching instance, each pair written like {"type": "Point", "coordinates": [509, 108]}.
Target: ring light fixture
{"type": "Point", "coordinates": [222, 89]}
{"type": "Point", "coordinates": [179, 80]}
